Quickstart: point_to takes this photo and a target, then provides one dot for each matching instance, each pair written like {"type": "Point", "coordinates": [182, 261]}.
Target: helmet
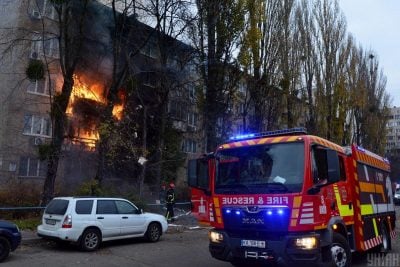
{"type": "Point", "coordinates": [171, 185]}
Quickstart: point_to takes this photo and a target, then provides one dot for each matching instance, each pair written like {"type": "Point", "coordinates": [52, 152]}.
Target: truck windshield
{"type": "Point", "coordinates": [272, 168]}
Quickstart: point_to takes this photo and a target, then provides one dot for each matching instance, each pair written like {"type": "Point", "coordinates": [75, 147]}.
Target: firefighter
{"type": "Point", "coordinates": [170, 200]}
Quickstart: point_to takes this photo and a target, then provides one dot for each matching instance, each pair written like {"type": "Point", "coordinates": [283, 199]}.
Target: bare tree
{"type": "Point", "coordinates": [71, 19]}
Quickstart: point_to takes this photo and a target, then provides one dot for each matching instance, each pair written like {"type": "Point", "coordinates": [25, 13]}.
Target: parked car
{"type": "Point", "coordinates": [90, 221]}
{"type": "Point", "coordinates": [10, 238]}
{"type": "Point", "coordinates": [397, 196]}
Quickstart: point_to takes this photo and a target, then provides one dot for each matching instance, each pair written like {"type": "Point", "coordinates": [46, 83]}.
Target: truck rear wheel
{"type": "Point", "coordinates": [340, 250]}
{"type": "Point", "coordinates": [386, 240]}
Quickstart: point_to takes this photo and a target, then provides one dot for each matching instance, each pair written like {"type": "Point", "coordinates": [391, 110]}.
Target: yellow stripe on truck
{"type": "Point", "coordinates": [366, 209]}
{"type": "Point", "coordinates": [344, 210]}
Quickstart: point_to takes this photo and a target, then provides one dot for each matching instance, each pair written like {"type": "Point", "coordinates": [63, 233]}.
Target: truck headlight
{"type": "Point", "coordinates": [215, 237]}
{"type": "Point", "coordinates": [305, 242]}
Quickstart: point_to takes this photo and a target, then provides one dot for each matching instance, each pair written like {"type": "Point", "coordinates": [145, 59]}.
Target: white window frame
{"type": "Point", "coordinates": [29, 168]}
{"type": "Point", "coordinates": [192, 119]}
{"type": "Point", "coordinates": [189, 146]}
{"type": "Point", "coordinates": [51, 48]}
{"type": "Point", "coordinates": [33, 87]}
{"type": "Point", "coordinates": [32, 120]}
{"type": "Point", "coordinates": [45, 8]}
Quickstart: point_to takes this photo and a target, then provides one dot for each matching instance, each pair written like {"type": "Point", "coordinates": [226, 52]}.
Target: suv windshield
{"type": "Point", "coordinates": [271, 168]}
{"type": "Point", "coordinates": [57, 206]}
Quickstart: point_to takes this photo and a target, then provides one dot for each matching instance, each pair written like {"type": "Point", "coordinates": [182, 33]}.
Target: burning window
{"type": "Point", "coordinates": [87, 103]}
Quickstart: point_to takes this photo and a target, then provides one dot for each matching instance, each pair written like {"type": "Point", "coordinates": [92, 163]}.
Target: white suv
{"type": "Point", "coordinates": [88, 221]}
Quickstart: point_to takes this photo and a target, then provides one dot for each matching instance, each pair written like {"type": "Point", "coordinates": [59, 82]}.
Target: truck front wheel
{"type": "Point", "coordinates": [340, 249]}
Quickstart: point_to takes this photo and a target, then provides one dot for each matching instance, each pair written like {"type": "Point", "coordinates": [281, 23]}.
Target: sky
{"type": "Point", "coordinates": [375, 24]}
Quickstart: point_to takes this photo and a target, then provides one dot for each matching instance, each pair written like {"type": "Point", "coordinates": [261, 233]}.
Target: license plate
{"type": "Point", "coordinates": [51, 221]}
{"type": "Point", "coordinates": [253, 243]}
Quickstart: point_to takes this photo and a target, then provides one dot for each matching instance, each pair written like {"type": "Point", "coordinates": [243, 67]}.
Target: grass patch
{"type": "Point", "coordinates": [28, 224]}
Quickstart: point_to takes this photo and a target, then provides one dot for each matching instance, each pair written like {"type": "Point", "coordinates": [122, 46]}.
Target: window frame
{"type": "Point", "coordinates": [38, 171]}
{"type": "Point", "coordinates": [39, 45]}
{"type": "Point", "coordinates": [46, 87]}
{"type": "Point", "coordinates": [30, 119]}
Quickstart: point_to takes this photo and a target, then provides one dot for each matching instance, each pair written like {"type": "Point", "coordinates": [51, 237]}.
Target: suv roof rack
{"type": "Point", "coordinates": [291, 131]}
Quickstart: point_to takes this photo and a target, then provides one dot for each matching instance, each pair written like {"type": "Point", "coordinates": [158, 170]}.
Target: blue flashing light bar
{"type": "Point", "coordinates": [360, 148]}
{"type": "Point", "coordinates": [242, 137]}
{"type": "Point", "coordinates": [292, 131]}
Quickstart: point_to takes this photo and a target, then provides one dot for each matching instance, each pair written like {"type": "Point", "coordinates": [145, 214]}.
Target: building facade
{"type": "Point", "coordinates": [393, 133]}
{"type": "Point", "coordinates": [24, 108]}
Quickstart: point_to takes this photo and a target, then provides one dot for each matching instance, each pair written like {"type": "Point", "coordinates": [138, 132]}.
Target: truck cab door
{"type": "Point", "coordinates": [199, 181]}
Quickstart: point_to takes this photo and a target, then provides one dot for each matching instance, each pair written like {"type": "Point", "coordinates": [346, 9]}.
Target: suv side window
{"type": "Point", "coordinates": [106, 207]}
{"type": "Point", "coordinates": [84, 206]}
{"type": "Point", "coordinates": [126, 208]}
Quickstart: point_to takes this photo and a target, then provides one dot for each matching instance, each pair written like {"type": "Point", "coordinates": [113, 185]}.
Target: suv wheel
{"type": "Point", "coordinates": [153, 233]}
{"type": "Point", "coordinates": [90, 240]}
{"type": "Point", "coordinates": [4, 248]}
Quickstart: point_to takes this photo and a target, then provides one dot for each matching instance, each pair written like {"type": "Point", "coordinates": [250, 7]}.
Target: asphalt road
{"type": "Point", "coordinates": [179, 247]}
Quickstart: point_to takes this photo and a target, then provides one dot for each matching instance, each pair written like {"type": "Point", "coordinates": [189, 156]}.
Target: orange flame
{"type": "Point", "coordinates": [119, 108]}
{"type": "Point", "coordinates": [88, 134]}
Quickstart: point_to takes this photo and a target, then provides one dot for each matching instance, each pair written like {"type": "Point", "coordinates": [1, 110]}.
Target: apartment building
{"type": "Point", "coordinates": [24, 103]}
{"type": "Point", "coordinates": [393, 133]}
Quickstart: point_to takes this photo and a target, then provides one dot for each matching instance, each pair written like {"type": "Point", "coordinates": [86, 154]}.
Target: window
{"type": "Point", "coordinates": [41, 87]}
{"type": "Point", "coordinates": [106, 207]}
{"type": "Point", "coordinates": [57, 206]}
{"type": "Point", "coordinates": [32, 167]}
{"type": "Point", "coordinates": [178, 110]}
{"type": "Point", "coordinates": [84, 206]}
{"type": "Point", "coordinates": [126, 208]}
{"type": "Point", "coordinates": [192, 92]}
{"type": "Point", "coordinates": [44, 46]}
{"type": "Point", "coordinates": [149, 79]}
{"type": "Point", "coordinates": [260, 168]}
{"type": "Point", "coordinates": [189, 146]}
{"type": "Point", "coordinates": [36, 125]}
{"type": "Point", "coordinates": [192, 119]}
{"type": "Point", "coordinates": [12, 167]}
{"type": "Point", "coordinates": [342, 169]}
{"type": "Point", "coordinates": [242, 87]}
{"type": "Point", "coordinates": [240, 108]}
{"type": "Point", "coordinates": [44, 7]}
{"type": "Point", "coordinates": [149, 50]}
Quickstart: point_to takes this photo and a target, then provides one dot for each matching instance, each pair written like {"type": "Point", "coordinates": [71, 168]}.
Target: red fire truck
{"type": "Point", "coordinates": [293, 199]}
